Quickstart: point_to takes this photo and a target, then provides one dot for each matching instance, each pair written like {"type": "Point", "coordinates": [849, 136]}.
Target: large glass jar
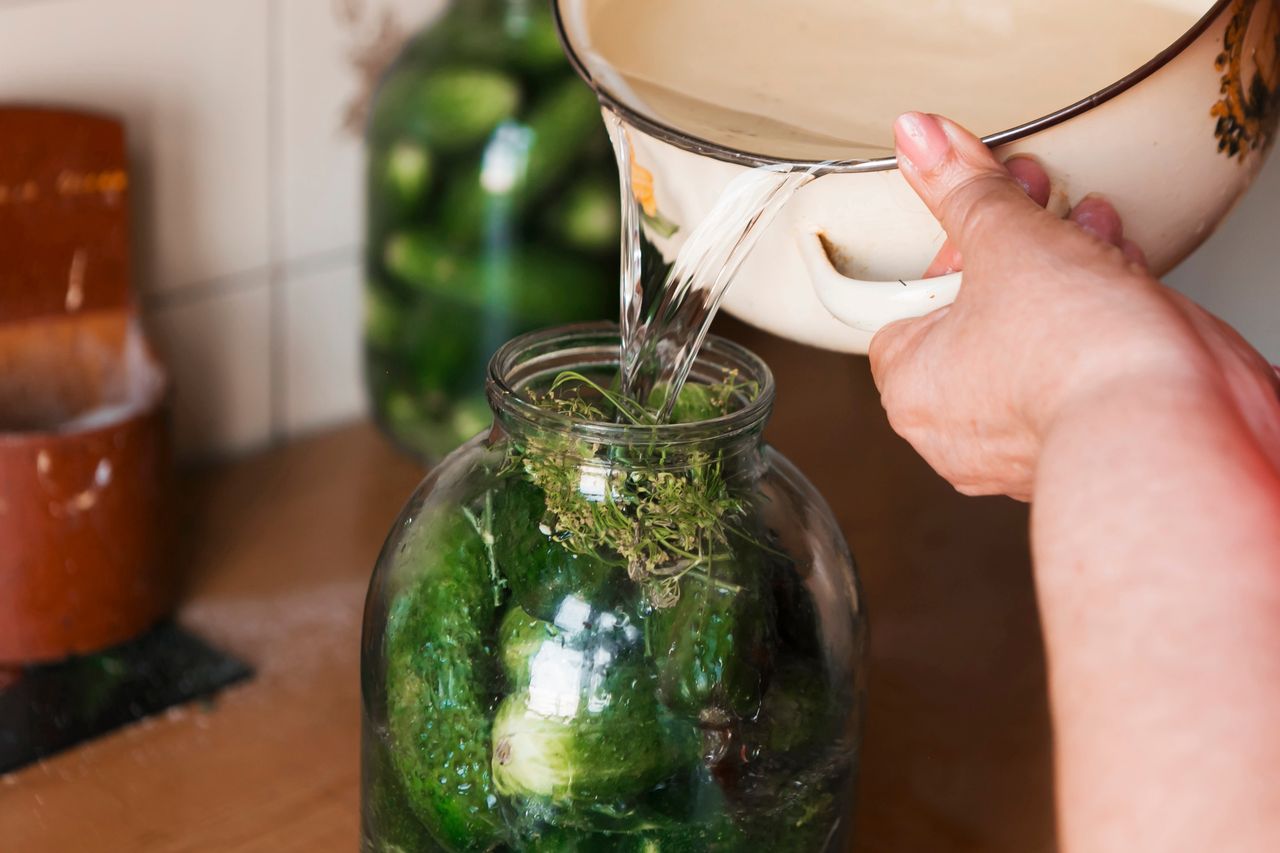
{"type": "Point", "coordinates": [612, 636]}
{"type": "Point", "coordinates": [487, 158]}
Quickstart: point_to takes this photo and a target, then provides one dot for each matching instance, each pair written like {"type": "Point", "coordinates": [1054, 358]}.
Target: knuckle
{"type": "Point", "coordinates": [967, 206]}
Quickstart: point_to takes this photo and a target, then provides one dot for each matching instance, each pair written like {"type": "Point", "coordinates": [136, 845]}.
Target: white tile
{"type": "Point", "coordinates": [1236, 274]}
{"type": "Point", "coordinates": [218, 349]}
{"type": "Point", "coordinates": [189, 77]}
{"type": "Point", "coordinates": [323, 382]}
{"type": "Point", "coordinates": [326, 57]}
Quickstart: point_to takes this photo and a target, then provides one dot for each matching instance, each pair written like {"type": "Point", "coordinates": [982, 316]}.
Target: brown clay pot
{"type": "Point", "coordinates": [84, 472]}
{"type": "Point", "coordinates": [84, 438]}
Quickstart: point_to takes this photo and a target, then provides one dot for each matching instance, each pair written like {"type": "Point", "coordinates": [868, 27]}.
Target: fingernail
{"type": "Point", "coordinates": [922, 140]}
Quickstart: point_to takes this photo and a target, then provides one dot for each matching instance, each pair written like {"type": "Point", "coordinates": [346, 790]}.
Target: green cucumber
{"type": "Point", "coordinates": [712, 648]}
{"type": "Point", "coordinates": [587, 747]}
{"type": "Point", "coordinates": [541, 571]}
{"type": "Point", "coordinates": [439, 684]}
{"type": "Point", "coordinates": [685, 840]}
{"type": "Point", "coordinates": [385, 819]}
{"type": "Point", "coordinates": [696, 403]}
{"type": "Point", "coordinates": [561, 125]}
{"type": "Point", "coordinates": [797, 711]}
{"type": "Point", "coordinates": [537, 46]}
{"type": "Point", "coordinates": [447, 110]}
{"type": "Point", "coordinates": [533, 285]}
{"type": "Point", "coordinates": [521, 637]}
{"type": "Point", "coordinates": [383, 318]}
{"type": "Point", "coordinates": [582, 740]}
{"type": "Point", "coordinates": [400, 178]}
{"type": "Point", "coordinates": [587, 217]}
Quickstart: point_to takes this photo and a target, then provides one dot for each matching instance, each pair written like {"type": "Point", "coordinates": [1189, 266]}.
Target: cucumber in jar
{"type": "Point", "coordinates": [542, 572]}
{"type": "Point", "coordinates": [535, 285]}
{"type": "Point", "coordinates": [439, 683]}
{"type": "Point", "coordinates": [581, 739]}
{"type": "Point", "coordinates": [400, 176]}
{"type": "Point", "coordinates": [587, 218]}
{"type": "Point", "coordinates": [713, 648]}
{"type": "Point", "coordinates": [559, 129]}
{"type": "Point", "coordinates": [446, 110]}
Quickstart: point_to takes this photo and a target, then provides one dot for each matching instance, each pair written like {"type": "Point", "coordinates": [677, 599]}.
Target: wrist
{"type": "Point", "coordinates": [1154, 358]}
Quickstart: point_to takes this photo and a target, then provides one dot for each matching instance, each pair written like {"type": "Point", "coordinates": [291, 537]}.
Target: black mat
{"type": "Point", "coordinates": [51, 708]}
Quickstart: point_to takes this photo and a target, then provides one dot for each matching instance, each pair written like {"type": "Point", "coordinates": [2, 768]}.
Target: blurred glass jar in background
{"type": "Point", "coordinates": [492, 210]}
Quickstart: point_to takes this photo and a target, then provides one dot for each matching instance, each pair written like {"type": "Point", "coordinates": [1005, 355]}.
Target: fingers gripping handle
{"type": "Point", "coordinates": [866, 305]}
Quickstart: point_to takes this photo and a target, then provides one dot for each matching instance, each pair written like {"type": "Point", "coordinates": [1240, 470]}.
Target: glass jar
{"type": "Point", "coordinates": [492, 210]}
{"type": "Point", "coordinates": [610, 636]}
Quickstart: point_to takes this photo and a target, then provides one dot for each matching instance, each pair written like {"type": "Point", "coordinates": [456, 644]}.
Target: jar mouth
{"type": "Point", "coordinates": [522, 362]}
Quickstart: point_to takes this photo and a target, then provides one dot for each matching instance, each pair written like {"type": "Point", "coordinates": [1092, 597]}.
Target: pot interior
{"type": "Point", "coordinates": [822, 80]}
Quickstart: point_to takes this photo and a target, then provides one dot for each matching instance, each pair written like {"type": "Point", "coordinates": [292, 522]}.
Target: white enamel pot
{"type": "Point", "coordinates": [1173, 145]}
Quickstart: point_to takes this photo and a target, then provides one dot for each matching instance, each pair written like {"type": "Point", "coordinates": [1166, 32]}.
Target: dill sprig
{"type": "Point", "coordinates": [660, 517]}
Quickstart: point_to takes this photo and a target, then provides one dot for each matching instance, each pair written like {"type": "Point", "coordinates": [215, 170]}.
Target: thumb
{"type": "Point", "coordinates": [956, 175]}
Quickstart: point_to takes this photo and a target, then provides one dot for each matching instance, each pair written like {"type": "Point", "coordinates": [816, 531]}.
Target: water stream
{"type": "Point", "coordinates": [667, 308]}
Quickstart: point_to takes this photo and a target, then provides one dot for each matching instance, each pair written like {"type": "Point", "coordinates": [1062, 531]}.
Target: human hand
{"type": "Point", "coordinates": [1052, 313]}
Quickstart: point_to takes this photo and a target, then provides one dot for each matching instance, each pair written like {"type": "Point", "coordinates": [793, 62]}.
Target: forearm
{"type": "Point", "coordinates": [1157, 545]}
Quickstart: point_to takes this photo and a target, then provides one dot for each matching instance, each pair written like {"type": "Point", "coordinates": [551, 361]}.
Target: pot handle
{"type": "Point", "coordinates": [869, 306]}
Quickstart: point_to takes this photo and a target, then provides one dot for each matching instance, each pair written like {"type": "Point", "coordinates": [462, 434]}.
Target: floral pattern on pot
{"type": "Point", "coordinates": [1250, 66]}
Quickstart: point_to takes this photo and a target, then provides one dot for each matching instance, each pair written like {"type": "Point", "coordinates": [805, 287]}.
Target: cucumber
{"type": "Point", "coordinates": [584, 736]}
{"type": "Point", "coordinates": [799, 810]}
{"type": "Point", "coordinates": [686, 840]}
{"type": "Point", "coordinates": [439, 683]}
{"type": "Point", "coordinates": [471, 415]}
{"type": "Point", "coordinates": [385, 818]}
{"type": "Point", "coordinates": [797, 712]}
{"type": "Point", "coordinates": [399, 180]}
{"type": "Point", "coordinates": [590, 745]}
{"type": "Point", "coordinates": [437, 353]}
{"type": "Point", "coordinates": [542, 573]}
{"type": "Point", "coordinates": [520, 638]}
{"type": "Point", "coordinates": [712, 649]}
{"type": "Point", "coordinates": [429, 432]}
{"type": "Point", "coordinates": [560, 127]}
{"type": "Point", "coordinates": [535, 286]}
{"type": "Point", "coordinates": [694, 404]}
{"type": "Point", "coordinates": [587, 218]}
{"type": "Point", "coordinates": [448, 110]}
{"type": "Point", "coordinates": [381, 318]}
{"type": "Point", "coordinates": [537, 45]}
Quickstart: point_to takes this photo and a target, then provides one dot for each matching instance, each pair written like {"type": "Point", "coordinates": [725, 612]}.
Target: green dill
{"type": "Point", "coordinates": [660, 516]}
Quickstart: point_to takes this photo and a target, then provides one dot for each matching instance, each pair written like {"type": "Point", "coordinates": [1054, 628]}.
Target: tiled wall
{"type": "Point", "coordinates": [248, 192]}
{"type": "Point", "coordinates": [247, 185]}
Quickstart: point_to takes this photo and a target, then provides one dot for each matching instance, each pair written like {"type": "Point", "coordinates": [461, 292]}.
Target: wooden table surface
{"type": "Point", "coordinates": [279, 548]}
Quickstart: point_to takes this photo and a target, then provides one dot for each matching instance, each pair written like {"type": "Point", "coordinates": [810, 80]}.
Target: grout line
{"type": "Point", "coordinates": [277, 374]}
{"type": "Point", "coordinates": [238, 282]}
{"type": "Point", "coordinates": [202, 291]}
{"type": "Point", "coordinates": [6, 5]}
{"type": "Point", "coordinates": [319, 262]}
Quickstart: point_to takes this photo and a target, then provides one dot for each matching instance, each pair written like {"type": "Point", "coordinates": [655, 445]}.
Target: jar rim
{"type": "Point", "coordinates": [550, 351]}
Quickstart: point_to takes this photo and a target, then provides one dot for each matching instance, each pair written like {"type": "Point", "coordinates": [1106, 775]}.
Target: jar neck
{"type": "Point", "coordinates": [527, 366]}
{"type": "Point", "coordinates": [639, 448]}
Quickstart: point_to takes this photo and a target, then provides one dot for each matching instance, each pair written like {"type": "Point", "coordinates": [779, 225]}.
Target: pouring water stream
{"type": "Point", "coordinates": [665, 320]}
